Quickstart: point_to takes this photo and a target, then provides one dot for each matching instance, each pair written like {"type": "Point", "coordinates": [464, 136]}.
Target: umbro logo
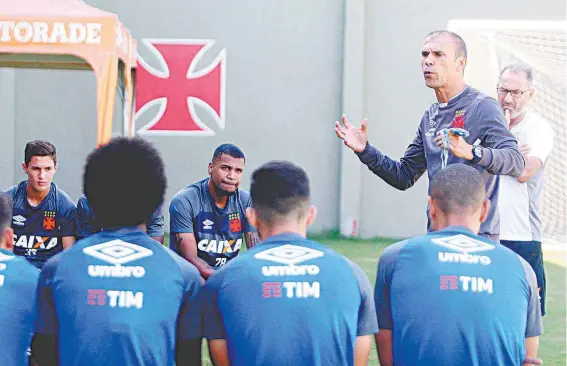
{"type": "Point", "coordinates": [117, 252]}
{"type": "Point", "coordinates": [18, 220]}
{"type": "Point", "coordinates": [289, 254]}
{"type": "Point", "coordinates": [463, 243]}
{"type": "Point", "coordinates": [207, 224]}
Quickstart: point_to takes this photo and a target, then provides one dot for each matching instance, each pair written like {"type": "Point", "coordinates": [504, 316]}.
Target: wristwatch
{"type": "Point", "coordinates": [477, 154]}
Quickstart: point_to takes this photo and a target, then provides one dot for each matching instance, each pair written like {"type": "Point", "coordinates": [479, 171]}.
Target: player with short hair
{"type": "Point", "coordinates": [489, 145]}
{"type": "Point", "coordinates": [208, 218]}
{"type": "Point", "coordinates": [305, 304]}
{"type": "Point", "coordinates": [44, 215]}
{"type": "Point", "coordinates": [87, 225]}
{"type": "Point", "coordinates": [473, 302]}
{"type": "Point", "coordinates": [118, 297]}
{"type": "Point", "coordinates": [18, 283]}
{"type": "Point", "coordinates": [520, 197]}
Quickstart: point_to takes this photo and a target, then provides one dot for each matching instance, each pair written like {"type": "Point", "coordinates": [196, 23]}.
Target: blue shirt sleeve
{"type": "Point", "coordinates": [46, 317]}
{"type": "Point", "coordinates": [534, 325]}
{"type": "Point", "coordinates": [213, 326]}
{"type": "Point", "coordinates": [501, 154]}
{"type": "Point", "coordinates": [399, 174]}
{"type": "Point", "coordinates": [85, 219]}
{"type": "Point", "coordinates": [181, 215]}
{"type": "Point", "coordinates": [190, 319]}
{"type": "Point", "coordinates": [367, 323]}
{"type": "Point", "coordinates": [382, 287]}
{"type": "Point", "coordinates": [68, 216]}
{"type": "Point", "coordinates": [155, 226]}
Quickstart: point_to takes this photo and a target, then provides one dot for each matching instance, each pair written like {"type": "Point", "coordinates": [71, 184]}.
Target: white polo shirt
{"type": "Point", "coordinates": [519, 203]}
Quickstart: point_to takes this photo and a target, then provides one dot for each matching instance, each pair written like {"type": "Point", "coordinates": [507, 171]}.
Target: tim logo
{"type": "Point", "coordinates": [177, 87]}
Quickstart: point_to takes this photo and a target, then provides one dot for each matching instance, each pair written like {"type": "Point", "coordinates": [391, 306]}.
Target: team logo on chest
{"type": "Point", "coordinates": [234, 223]}
{"type": "Point", "coordinates": [49, 220]}
{"type": "Point", "coordinates": [459, 120]}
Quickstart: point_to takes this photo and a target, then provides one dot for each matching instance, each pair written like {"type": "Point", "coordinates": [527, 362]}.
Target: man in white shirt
{"type": "Point", "coordinates": [520, 197]}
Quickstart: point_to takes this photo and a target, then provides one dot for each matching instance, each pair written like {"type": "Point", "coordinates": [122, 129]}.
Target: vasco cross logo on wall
{"type": "Point", "coordinates": [177, 87]}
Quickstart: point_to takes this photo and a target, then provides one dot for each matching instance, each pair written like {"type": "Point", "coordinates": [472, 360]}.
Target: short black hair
{"type": "Point", "coordinates": [124, 182]}
{"type": "Point", "coordinates": [460, 45]}
{"type": "Point", "coordinates": [279, 189]}
{"type": "Point", "coordinates": [5, 212]}
{"type": "Point", "coordinates": [458, 189]}
{"type": "Point", "coordinates": [39, 148]}
{"type": "Point", "coordinates": [228, 149]}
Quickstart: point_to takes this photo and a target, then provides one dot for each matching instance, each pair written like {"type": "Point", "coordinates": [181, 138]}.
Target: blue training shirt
{"type": "Point", "coordinates": [87, 226]}
{"type": "Point", "coordinates": [18, 283]}
{"type": "Point", "coordinates": [289, 301]}
{"type": "Point", "coordinates": [218, 231]}
{"type": "Point", "coordinates": [118, 298]}
{"type": "Point", "coordinates": [38, 230]}
{"type": "Point", "coordinates": [484, 119]}
{"type": "Point", "coordinates": [455, 298]}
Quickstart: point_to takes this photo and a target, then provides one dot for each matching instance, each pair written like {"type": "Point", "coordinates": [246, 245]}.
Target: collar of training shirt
{"type": "Point", "coordinates": [443, 105]}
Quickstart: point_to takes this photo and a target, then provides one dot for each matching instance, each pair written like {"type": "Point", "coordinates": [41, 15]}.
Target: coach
{"type": "Point", "coordinates": [490, 147]}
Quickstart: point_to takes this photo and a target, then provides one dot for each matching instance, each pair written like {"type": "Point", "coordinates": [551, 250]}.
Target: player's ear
{"type": "Point", "coordinates": [25, 168]}
{"type": "Point", "coordinates": [311, 214]}
{"type": "Point", "coordinates": [210, 170]}
{"type": "Point", "coordinates": [484, 210]}
{"type": "Point", "coordinates": [252, 217]}
{"type": "Point", "coordinates": [432, 209]}
{"type": "Point", "coordinates": [9, 238]}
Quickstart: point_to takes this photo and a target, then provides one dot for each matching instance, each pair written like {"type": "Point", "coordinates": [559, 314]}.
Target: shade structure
{"type": "Point", "coordinates": [72, 35]}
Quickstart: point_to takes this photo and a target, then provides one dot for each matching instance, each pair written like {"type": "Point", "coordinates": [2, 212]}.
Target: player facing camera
{"type": "Point", "coordinates": [124, 181]}
{"type": "Point", "coordinates": [280, 199]}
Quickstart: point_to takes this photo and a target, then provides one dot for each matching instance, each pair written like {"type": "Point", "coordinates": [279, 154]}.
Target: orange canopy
{"type": "Point", "coordinates": [69, 34]}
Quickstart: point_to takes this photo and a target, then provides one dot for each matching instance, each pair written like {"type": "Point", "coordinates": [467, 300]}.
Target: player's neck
{"type": "Point", "coordinates": [449, 91]}
{"type": "Point", "coordinates": [266, 231]}
{"type": "Point", "coordinates": [34, 197]}
{"type": "Point", "coordinates": [219, 196]}
{"type": "Point", "coordinates": [459, 221]}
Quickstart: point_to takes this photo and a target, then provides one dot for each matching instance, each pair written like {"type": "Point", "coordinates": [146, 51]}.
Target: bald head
{"type": "Point", "coordinates": [459, 189]}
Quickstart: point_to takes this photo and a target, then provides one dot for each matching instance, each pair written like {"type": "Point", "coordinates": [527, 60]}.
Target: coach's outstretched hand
{"type": "Point", "coordinates": [355, 138]}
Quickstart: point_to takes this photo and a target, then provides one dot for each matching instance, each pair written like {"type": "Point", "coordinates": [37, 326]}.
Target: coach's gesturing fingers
{"type": "Point", "coordinates": [353, 137]}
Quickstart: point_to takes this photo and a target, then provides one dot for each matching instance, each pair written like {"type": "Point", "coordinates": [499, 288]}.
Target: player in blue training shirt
{"type": "Point", "coordinates": [305, 304]}
{"type": "Point", "coordinates": [208, 218]}
{"type": "Point", "coordinates": [444, 298]}
{"type": "Point", "coordinates": [118, 297]}
{"type": "Point", "coordinates": [44, 216]}
{"type": "Point", "coordinates": [18, 282]}
{"type": "Point", "coordinates": [87, 225]}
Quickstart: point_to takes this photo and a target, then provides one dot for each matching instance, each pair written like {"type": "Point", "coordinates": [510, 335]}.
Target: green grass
{"type": "Point", "coordinates": [552, 343]}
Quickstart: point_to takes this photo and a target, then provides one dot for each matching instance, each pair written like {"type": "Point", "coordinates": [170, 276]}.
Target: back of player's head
{"type": "Point", "coordinates": [5, 213]}
{"type": "Point", "coordinates": [280, 191]}
{"type": "Point", "coordinates": [124, 182]}
{"type": "Point", "coordinates": [458, 189]}
{"type": "Point", "coordinates": [6, 233]}
{"type": "Point", "coordinates": [228, 149]}
{"type": "Point", "coordinates": [39, 148]}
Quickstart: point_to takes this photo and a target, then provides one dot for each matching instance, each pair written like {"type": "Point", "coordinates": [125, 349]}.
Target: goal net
{"type": "Point", "coordinates": [543, 46]}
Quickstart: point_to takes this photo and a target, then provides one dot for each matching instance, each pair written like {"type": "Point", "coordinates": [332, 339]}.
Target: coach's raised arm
{"type": "Point", "coordinates": [464, 126]}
